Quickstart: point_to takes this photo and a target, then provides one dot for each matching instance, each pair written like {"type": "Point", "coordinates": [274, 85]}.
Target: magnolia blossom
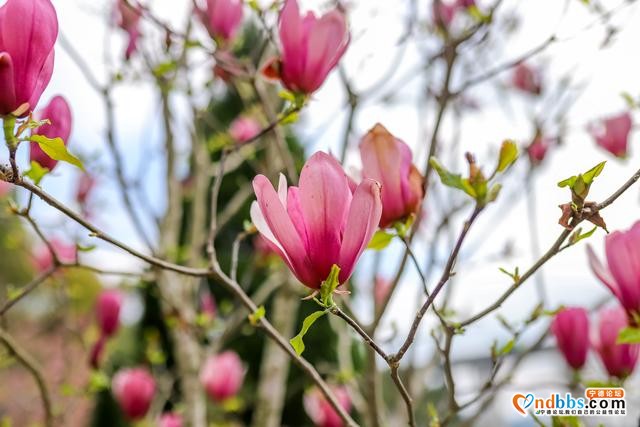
{"type": "Point", "coordinates": [96, 352]}
{"type": "Point", "coordinates": [571, 329]}
{"type": "Point", "coordinates": [86, 184]}
{"type": "Point", "coordinates": [59, 114]}
{"type": "Point", "coordinates": [320, 410]}
{"type": "Point", "coordinates": [538, 148]}
{"type": "Point", "coordinates": [5, 188]}
{"type": "Point", "coordinates": [65, 252]}
{"type": "Point", "coordinates": [108, 311]}
{"type": "Point", "coordinates": [381, 289]}
{"type": "Point", "coordinates": [443, 12]}
{"type": "Point", "coordinates": [618, 359]}
{"type": "Point", "coordinates": [622, 273]}
{"type": "Point", "coordinates": [311, 47]}
{"type": "Point", "coordinates": [320, 223]}
{"type": "Point", "coordinates": [243, 129]}
{"type": "Point", "coordinates": [222, 376]}
{"type": "Point", "coordinates": [128, 18]}
{"type": "Point", "coordinates": [133, 389]}
{"type": "Point", "coordinates": [612, 133]}
{"type": "Point", "coordinates": [170, 419]}
{"type": "Point", "coordinates": [208, 304]}
{"type": "Point", "coordinates": [527, 79]}
{"type": "Point", "coordinates": [387, 159]}
{"type": "Point", "coordinates": [223, 18]}
{"type": "Point", "coordinates": [28, 31]}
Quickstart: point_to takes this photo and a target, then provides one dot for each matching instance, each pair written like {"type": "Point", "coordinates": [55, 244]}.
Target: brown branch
{"type": "Point", "coordinates": [27, 289]}
{"type": "Point", "coordinates": [32, 366]}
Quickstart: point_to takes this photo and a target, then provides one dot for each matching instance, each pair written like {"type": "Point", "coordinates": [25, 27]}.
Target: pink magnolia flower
{"type": "Point", "coordinates": [527, 79]}
{"type": "Point", "coordinates": [128, 18]}
{"type": "Point", "coordinates": [387, 159]}
{"type": "Point", "coordinates": [28, 31]}
{"type": "Point", "coordinates": [381, 289]}
{"type": "Point", "coordinates": [86, 184]}
{"type": "Point", "coordinates": [311, 46]}
{"type": "Point", "coordinates": [618, 359]}
{"type": "Point", "coordinates": [243, 129]}
{"type": "Point", "coordinates": [321, 222]}
{"type": "Point", "coordinates": [222, 375]}
{"type": "Point", "coordinates": [59, 114]}
{"type": "Point", "coordinates": [95, 355]}
{"type": "Point", "coordinates": [222, 18]}
{"type": "Point", "coordinates": [5, 188]}
{"type": "Point", "coordinates": [320, 410]}
{"type": "Point", "coordinates": [571, 329]}
{"type": "Point", "coordinates": [208, 304]}
{"type": "Point", "coordinates": [466, 3]}
{"type": "Point", "coordinates": [65, 252]}
{"type": "Point", "coordinates": [170, 419]}
{"type": "Point", "coordinates": [443, 12]}
{"type": "Point", "coordinates": [538, 148]}
{"type": "Point", "coordinates": [108, 311]}
{"type": "Point", "coordinates": [612, 133]}
{"type": "Point", "coordinates": [133, 389]}
{"type": "Point", "coordinates": [622, 273]}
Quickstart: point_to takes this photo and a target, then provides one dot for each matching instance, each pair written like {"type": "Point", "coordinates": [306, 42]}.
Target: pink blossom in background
{"type": "Point", "coordinates": [618, 359]}
{"type": "Point", "coordinates": [133, 389]}
{"type": "Point", "coordinates": [571, 329]}
{"type": "Point", "coordinates": [170, 419]}
{"type": "Point", "coordinates": [59, 114]}
{"type": "Point", "coordinates": [538, 148]}
{"type": "Point", "coordinates": [243, 129]}
{"type": "Point", "coordinates": [527, 79]}
{"type": "Point", "coordinates": [622, 272]}
{"type": "Point", "coordinates": [319, 223]}
{"type": "Point", "coordinates": [388, 160]}
{"type": "Point", "coordinates": [108, 311]}
{"type": "Point", "coordinates": [223, 18]}
{"type": "Point", "coordinates": [86, 185]}
{"type": "Point", "coordinates": [96, 352]}
{"type": "Point", "coordinates": [66, 253]}
{"type": "Point", "coordinates": [128, 18]}
{"type": "Point", "coordinates": [320, 410]}
{"type": "Point", "coordinates": [443, 12]}
{"type": "Point", "coordinates": [612, 133]}
{"type": "Point", "coordinates": [28, 32]}
{"type": "Point", "coordinates": [222, 375]}
{"type": "Point", "coordinates": [5, 188]}
{"type": "Point", "coordinates": [381, 289]}
{"type": "Point", "coordinates": [208, 304]}
{"type": "Point", "coordinates": [311, 46]}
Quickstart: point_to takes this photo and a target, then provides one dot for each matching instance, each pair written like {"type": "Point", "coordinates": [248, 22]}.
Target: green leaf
{"type": "Point", "coordinates": [589, 175]}
{"type": "Point", "coordinates": [86, 248]}
{"type": "Point", "coordinates": [165, 68]}
{"type": "Point", "coordinates": [567, 182]}
{"type": "Point", "coordinates": [493, 193]}
{"type": "Point", "coordinates": [508, 155]}
{"type": "Point", "coordinates": [506, 349]}
{"type": "Point", "coordinates": [287, 95]}
{"type": "Point", "coordinates": [290, 117]}
{"type": "Point", "coordinates": [296, 342]}
{"type": "Point", "coordinates": [579, 235]}
{"type": "Point", "coordinates": [452, 180]}
{"type": "Point", "coordinates": [98, 381]}
{"type": "Point", "coordinates": [55, 148]}
{"type": "Point", "coordinates": [629, 335]}
{"type": "Point", "coordinates": [380, 240]}
{"type": "Point", "coordinates": [329, 286]}
{"type": "Point", "coordinates": [36, 172]}
{"type": "Point", "coordinates": [255, 317]}
{"type": "Point", "coordinates": [628, 99]}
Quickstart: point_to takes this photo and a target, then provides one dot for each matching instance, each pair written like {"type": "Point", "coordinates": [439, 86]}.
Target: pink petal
{"type": "Point", "coordinates": [7, 89]}
{"type": "Point", "coordinates": [602, 272]}
{"type": "Point", "coordinates": [283, 229]}
{"type": "Point", "coordinates": [362, 222]}
{"type": "Point", "coordinates": [324, 199]}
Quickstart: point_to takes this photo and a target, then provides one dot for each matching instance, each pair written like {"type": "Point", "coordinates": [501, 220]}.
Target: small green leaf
{"type": "Point", "coordinates": [287, 95]}
{"type": "Point", "coordinates": [296, 342]}
{"type": "Point", "coordinates": [589, 175]}
{"type": "Point", "coordinates": [255, 317]}
{"type": "Point", "coordinates": [508, 155]}
{"type": "Point", "coordinates": [55, 148]}
{"type": "Point", "coordinates": [452, 180]}
{"type": "Point", "coordinates": [567, 182]}
{"type": "Point", "coordinates": [290, 117]}
{"type": "Point", "coordinates": [506, 349]}
{"type": "Point", "coordinates": [165, 68]}
{"type": "Point", "coordinates": [36, 172]}
{"type": "Point", "coordinates": [380, 240]}
{"type": "Point", "coordinates": [86, 248]}
{"type": "Point", "coordinates": [629, 335]}
{"type": "Point", "coordinates": [253, 4]}
{"type": "Point", "coordinates": [628, 99]}
{"type": "Point", "coordinates": [493, 193]}
{"type": "Point", "coordinates": [329, 286]}
{"type": "Point", "coordinates": [579, 235]}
